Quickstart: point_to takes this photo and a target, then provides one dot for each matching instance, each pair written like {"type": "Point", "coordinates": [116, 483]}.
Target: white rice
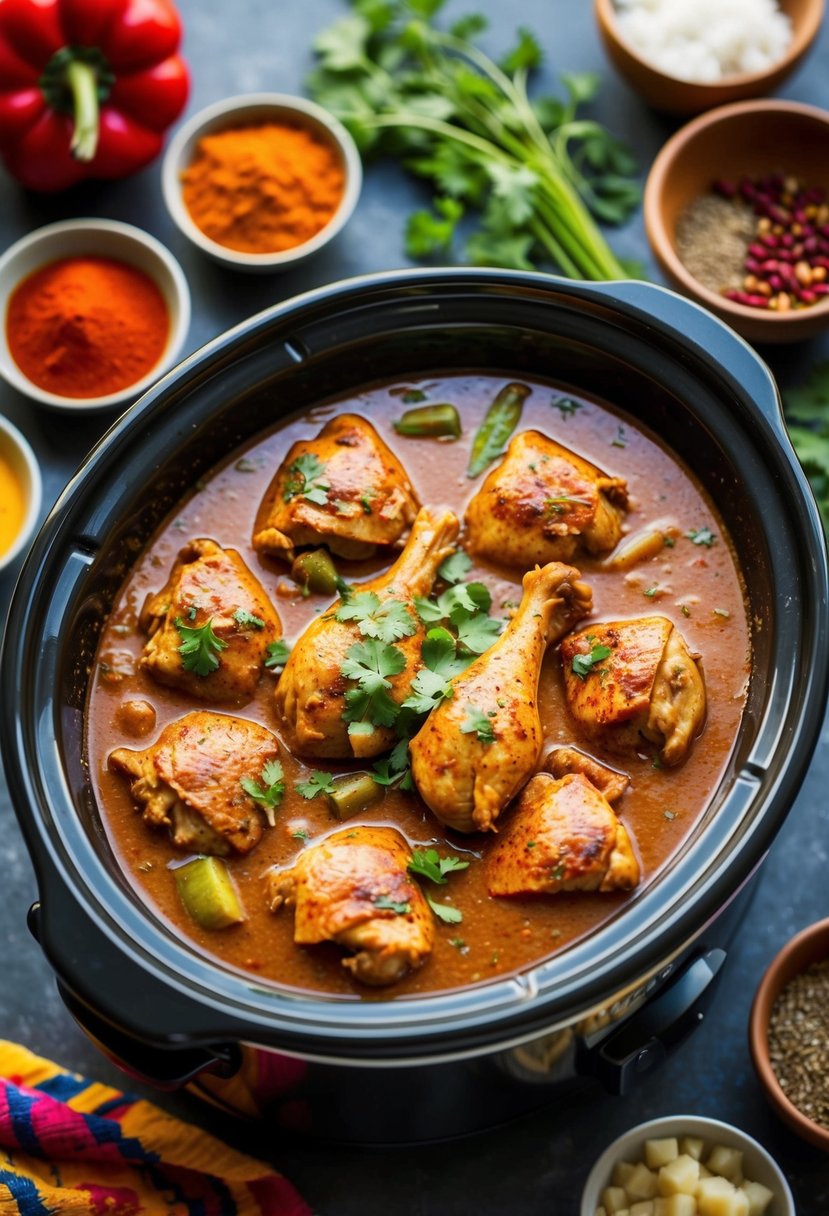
{"type": "Point", "coordinates": [705, 40]}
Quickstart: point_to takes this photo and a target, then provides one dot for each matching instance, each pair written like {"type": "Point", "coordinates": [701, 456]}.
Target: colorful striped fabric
{"type": "Point", "coordinates": [71, 1146]}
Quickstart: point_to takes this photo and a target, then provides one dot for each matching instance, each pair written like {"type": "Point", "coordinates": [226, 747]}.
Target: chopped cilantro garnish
{"type": "Point", "coordinates": [199, 646]}
{"type": "Point", "coordinates": [388, 620]}
{"type": "Point", "coordinates": [278, 654]}
{"type": "Point", "coordinates": [445, 912]}
{"type": "Point", "coordinates": [303, 479]}
{"type": "Point", "coordinates": [246, 620]}
{"type": "Point", "coordinates": [479, 724]}
{"type": "Point", "coordinates": [428, 863]}
{"type": "Point", "coordinates": [565, 405]}
{"type": "Point", "coordinates": [370, 664]}
{"type": "Point", "coordinates": [269, 793]}
{"type": "Point", "coordinates": [300, 834]}
{"type": "Point", "coordinates": [455, 568]}
{"type": "Point", "coordinates": [317, 783]}
{"type": "Point", "coordinates": [701, 536]}
{"type": "Point", "coordinates": [583, 664]}
{"type": "Point", "coordinates": [387, 904]}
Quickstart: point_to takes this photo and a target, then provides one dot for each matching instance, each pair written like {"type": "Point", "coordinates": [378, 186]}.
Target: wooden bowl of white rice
{"type": "Point", "coordinates": [683, 58]}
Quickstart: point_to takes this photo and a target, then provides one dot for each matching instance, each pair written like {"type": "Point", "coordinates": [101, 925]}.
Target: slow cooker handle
{"type": "Point", "coordinates": [711, 335]}
{"type": "Point", "coordinates": [621, 1061]}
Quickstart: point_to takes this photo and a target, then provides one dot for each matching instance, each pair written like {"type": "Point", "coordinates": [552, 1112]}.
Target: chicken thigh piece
{"type": "Point", "coordinates": [626, 681]}
{"type": "Point", "coordinates": [210, 625]}
{"type": "Point", "coordinates": [544, 503]}
{"type": "Point", "coordinates": [478, 747]}
{"type": "Point", "coordinates": [563, 836]}
{"type": "Point", "coordinates": [354, 889]}
{"type": "Point", "coordinates": [345, 489]}
{"type": "Point", "coordinates": [192, 780]}
{"type": "Point", "coordinates": [311, 696]}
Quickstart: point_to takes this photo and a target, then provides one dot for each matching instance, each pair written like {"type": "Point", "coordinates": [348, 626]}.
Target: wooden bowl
{"type": "Point", "coordinates": [807, 947]}
{"type": "Point", "coordinates": [674, 96]}
{"type": "Point", "coordinates": [749, 138]}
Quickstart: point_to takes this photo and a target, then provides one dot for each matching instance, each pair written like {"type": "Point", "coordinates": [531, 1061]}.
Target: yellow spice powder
{"type": "Point", "coordinates": [12, 506]}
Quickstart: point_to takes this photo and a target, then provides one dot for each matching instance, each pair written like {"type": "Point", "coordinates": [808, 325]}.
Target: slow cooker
{"type": "Point", "coordinates": [608, 1008]}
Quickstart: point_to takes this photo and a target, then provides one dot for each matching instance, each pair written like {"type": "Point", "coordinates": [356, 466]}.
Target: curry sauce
{"type": "Point", "coordinates": [694, 582]}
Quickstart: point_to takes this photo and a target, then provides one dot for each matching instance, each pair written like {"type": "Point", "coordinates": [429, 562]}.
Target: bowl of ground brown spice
{"type": "Point", "coordinates": [736, 210]}
{"type": "Point", "coordinates": [789, 1033]}
{"type": "Point", "coordinates": [93, 312]}
{"type": "Point", "coordinates": [262, 181]}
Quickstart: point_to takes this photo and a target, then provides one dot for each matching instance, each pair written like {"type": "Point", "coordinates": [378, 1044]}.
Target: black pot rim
{"type": "Point", "coordinates": [188, 998]}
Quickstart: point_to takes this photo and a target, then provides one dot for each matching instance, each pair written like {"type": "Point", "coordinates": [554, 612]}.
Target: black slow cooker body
{"type": "Point", "coordinates": [610, 1005]}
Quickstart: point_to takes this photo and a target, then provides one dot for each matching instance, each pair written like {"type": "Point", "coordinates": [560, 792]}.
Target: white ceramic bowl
{"type": "Point", "coordinates": [99, 238]}
{"type": "Point", "coordinates": [758, 1165]}
{"type": "Point", "coordinates": [248, 109]}
{"type": "Point", "coordinates": [16, 451]}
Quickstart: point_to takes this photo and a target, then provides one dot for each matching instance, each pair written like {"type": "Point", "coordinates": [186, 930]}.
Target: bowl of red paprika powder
{"type": "Point", "coordinates": [261, 181]}
{"type": "Point", "coordinates": [93, 312]}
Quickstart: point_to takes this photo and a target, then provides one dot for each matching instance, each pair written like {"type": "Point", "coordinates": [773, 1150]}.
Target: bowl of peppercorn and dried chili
{"type": "Point", "coordinates": [94, 311]}
{"type": "Point", "coordinates": [789, 1033]}
{"type": "Point", "coordinates": [736, 210]}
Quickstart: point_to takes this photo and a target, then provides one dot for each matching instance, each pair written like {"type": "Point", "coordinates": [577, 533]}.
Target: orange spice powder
{"type": "Point", "coordinates": [263, 187]}
{"type": "Point", "coordinates": [87, 326]}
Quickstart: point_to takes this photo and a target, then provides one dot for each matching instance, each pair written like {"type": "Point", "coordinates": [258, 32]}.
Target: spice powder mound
{"type": "Point", "coordinates": [263, 188]}
{"type": "Point", "coordinates": [712, 236]}
{"type": "Point", "coordinates": [799, 1042]}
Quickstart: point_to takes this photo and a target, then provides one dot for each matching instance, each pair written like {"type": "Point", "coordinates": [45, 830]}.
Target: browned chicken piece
{"type": "Point", "coordinates": [563, 836]}
{"type": "Point", "coordinates": [191, 781]}
{"type": "Point", "coordinates": [311, 693]}
{"type": "Point", "coordinates": [629, 681]}
{"type": "Point", "coordinates": [209, 589]}
{"type": "Point", "coordinates": [544, 503]}
{"type": "Point", "coordinates": [345, 489]}
{"type": "Point", "coordinates": [476, 750]}
{"type": "Point", "coordinates": [608, 781]}
{"type": "Point", "coordinates": [354, 889]}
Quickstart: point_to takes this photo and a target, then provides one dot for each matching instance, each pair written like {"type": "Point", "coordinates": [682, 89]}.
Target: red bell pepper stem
{"type": "Point", "coordinates": [82, 80]}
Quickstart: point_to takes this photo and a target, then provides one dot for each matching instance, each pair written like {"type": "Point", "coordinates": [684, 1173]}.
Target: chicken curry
{"type": "Point", "coordinates": [419, 688]}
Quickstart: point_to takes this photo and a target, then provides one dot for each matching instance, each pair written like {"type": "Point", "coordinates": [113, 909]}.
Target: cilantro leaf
{"type": "Point", "coordinates": [343, 45]}
{"type": "Point", "coordinates": [477, 633]}
{"type": "Point", "coordinates": [387, 620]}
{"type": "Point", "coordinates": [439, 653]}
{"type": "Point", "coordinates": [445, 912]}
{"type": "Point", "coordinates": [583, 664]}
{"type": "Point", "coordinates": [199, 647]}
{"type": "Point", "coordinates": [428, 863]}
{"type": "Point", "coordinates": [369, 664]}
{"type": "Point", "coordinates": [317, 783]}
{"type": "Point", "coordinates": [269, 794]}
{"type": "Point", "coordinates": [246, 620]}
{"type": "Point", "coordinates": [430, 232]}
{"type": "Point", "coordinates": [428, 690]}
{"type": "Point", "coordinates": [454, 569]}
{"type": "Point", "coordinates": [479, 724]}
{"type": "Point", "coordinates": [701, 536]}
{"type": "Point", "coordinates": [395, 769]}
{"type": "Point", "coordinates": [278, 654]}
{"type": "Point", "coordinates": [302, 480]}
{"type": "Point", "coordinates": [386, 903]}
{"type": "Point", "coordinates": [515, 188]}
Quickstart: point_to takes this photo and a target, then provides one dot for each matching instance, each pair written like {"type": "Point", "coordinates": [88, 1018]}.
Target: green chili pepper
{"type": "Point", "coordinates": [430, 420]}
{"type": "Point", "coordinates": [501, 419]}
{"type": "Point", "coordinates": [207, 892]}
{"type": "Point", "coordinates": [353, 794]}
{"type": "Point", "coordinates": [316, 571]}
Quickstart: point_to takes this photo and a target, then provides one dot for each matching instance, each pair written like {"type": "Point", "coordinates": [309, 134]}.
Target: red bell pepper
{"type": "Point", "coordinates": [87, 87]}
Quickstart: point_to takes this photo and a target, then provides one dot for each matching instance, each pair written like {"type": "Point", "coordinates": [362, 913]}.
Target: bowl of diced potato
{"type": "Point", "coordinates": [685, 1165]}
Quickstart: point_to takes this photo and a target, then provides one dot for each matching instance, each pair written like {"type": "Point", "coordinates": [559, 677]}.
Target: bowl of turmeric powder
{"type": "Point", "coordinates": [20, 492]}
{"type": "Point", "coordinates": [94, 311]}
{"type": "Point", "coordinates": [261, 181]}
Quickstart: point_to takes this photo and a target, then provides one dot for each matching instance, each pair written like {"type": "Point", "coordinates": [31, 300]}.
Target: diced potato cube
{"type": "Point", "coordinates": [643, 1208]}
{"type": "Point", "coordinates": [692, 1147]}
{"type": "Point", "coordinates": [718, 1197]}
{"type": "Point", "coordinates": [759, 1197]}
{"type": "Point", "coordinates": [679, 1177]}
{"type": "Point", "coordinates": [642, 1183]}
{"type": "Point", "coordinates": [622, 1170]}
{"type": "Point", "coordinates": [615, 1200]}
{"type": "Point", "coordinates": [660, 1152]}
{"type": "Point", "coordinates": [727, 1162]}
{"type": "Point", "coordinates": [704, 1172]}
{"type": "Point", "coordinates": [675, 1205]}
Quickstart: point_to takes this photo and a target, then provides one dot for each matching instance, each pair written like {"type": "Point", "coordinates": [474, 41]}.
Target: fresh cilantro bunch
{"type": "Point", "coordinates": [807, 416]}
{"type": "Point", "coordinates": [531, 170]}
